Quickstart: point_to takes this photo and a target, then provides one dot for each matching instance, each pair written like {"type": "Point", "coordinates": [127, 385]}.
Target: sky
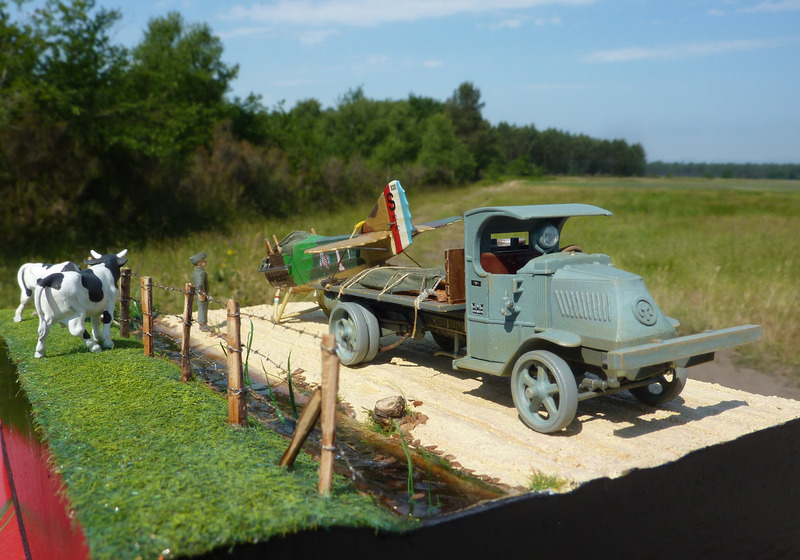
{"type": "Point", "coordinates": [691, 80]}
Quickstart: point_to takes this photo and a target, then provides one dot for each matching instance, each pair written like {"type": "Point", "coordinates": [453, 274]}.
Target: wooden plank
{"type": "Point", "coordinates": [454, 271]}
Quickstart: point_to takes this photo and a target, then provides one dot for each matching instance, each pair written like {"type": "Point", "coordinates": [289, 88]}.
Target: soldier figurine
{"type": "Point", "coordinates": [200, 280]}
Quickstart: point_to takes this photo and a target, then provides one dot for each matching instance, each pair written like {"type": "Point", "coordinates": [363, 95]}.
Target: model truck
{"type": "Point", "coordinates": [564, 325]}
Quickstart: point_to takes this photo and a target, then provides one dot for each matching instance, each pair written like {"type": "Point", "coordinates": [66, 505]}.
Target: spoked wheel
{"type": "Point", "coordinates": [348, 324]}
{"type": "Point", "coordinates": [663, 389]}
{"type": "Point", "coordinates": [544, 391]}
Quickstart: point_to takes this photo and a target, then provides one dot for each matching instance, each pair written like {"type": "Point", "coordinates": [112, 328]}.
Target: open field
{"type": "Point", "coordinates": [714, 253]}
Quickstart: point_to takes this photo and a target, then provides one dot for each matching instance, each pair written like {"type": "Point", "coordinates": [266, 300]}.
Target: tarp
{"type": "Point", "coordinates": [399, 279]}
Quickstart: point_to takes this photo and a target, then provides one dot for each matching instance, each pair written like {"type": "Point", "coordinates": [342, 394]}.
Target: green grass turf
{"type": "Point", "coordinates": [150, 464]}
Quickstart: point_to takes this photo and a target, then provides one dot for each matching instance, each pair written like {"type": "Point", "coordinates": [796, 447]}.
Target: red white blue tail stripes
{"type": "Point", "coordinates": [399, 216]}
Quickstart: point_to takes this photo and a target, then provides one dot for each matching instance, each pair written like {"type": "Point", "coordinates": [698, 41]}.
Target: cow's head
{"type": "Point", "coordinates": [112, 262]}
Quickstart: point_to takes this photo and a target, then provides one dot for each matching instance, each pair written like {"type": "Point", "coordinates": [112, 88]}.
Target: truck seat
{"type": "Point", "coordinates": [506, 262]}
{"type": "Point", "coordinates": [492, 264]}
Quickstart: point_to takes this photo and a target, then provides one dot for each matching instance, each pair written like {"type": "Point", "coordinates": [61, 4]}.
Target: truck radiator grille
{"type": "Point", "coordinates": [592, 306]}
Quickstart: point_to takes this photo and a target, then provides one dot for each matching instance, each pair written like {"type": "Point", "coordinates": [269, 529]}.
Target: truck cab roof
{"type": "Point", "coordinates": [535, 211]}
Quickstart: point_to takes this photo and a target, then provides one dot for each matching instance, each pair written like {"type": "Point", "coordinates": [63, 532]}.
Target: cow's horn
{"type": "Point", "coordinates": [122, 253]}
{"type": "Point", "coordinates": [95, 254]}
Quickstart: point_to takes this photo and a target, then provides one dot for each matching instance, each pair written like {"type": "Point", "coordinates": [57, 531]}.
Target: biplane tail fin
{"type": "Point", "coordinates": [386, 232]}
{"type": "Point", "coordinates": [391, 214]}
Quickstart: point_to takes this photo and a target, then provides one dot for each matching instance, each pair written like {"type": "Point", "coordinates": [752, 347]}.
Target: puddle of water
{"type": "Point", "coordinates": [46, 519]}
{"type": "Point", "coordinates": [376, 465]}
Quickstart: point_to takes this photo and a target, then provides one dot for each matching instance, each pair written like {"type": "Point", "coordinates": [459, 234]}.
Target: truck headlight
{"type": "Point", "coordinates": [549, 238]}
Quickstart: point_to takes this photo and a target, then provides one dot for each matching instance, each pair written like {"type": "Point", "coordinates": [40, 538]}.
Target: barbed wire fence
{"type": "Point", "coordinates": [239, 386]}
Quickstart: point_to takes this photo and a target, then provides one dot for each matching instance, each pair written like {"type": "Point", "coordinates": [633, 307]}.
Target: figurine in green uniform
{"type": "Point", "coordinates": [200, 281]}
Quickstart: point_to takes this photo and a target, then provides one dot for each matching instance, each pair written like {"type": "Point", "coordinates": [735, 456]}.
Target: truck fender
{"type": "Point", "coordinates": [543, 340]}
{"type": "Point", "coordinates": [559, 337]}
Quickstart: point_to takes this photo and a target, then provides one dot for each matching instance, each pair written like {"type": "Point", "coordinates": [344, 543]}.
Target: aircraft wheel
{"type": "Point", "coordinates": [544, 391]}
{"type": "Point", "coordinates": [325, 301]}
{"type": "Point", "coordinates": [663, 389]}
{"type": "Point", "coordinates": [349, 325]}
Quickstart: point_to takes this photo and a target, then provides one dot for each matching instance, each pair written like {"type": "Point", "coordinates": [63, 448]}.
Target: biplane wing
{"type": "Point", "coordinates": [436, 224]}
{"type": "Point", "coordinates": [376, 240]}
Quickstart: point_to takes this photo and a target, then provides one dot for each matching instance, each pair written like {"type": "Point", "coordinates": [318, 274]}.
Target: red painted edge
{"type": "Point", "coordinates": [43, 524]}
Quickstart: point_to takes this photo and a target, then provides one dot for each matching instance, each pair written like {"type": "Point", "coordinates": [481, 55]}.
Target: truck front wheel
{"type": "Point", "coordinates": [544, 391]}
{"type": "Point", "coordinates": [663, 389]}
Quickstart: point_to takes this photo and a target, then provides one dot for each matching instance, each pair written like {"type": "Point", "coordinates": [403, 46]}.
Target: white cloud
{"type": "Point", "coordinates": [685, 50]}
{"type": "Point", "coordinates": [373, 12]}
{"type": "Point", "coordinates": [511, 23]}
{"type": "Point", "coordinates": [246, 31]}
{"type": "Point", "coordinates": [772, 6]}
{"type": "Point", "coordinates": [555, 20]}
{"type": "Point", "coordinates": [316, 36]}
{"type": "Point", "coordinates": [432, 63]}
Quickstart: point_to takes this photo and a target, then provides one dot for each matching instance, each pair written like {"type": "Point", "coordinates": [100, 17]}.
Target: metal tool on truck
{"type": "Point", "coordinates": [564, 325]}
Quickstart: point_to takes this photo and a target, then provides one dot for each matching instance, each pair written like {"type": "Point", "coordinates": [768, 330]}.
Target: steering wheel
{"type": "Point", "coordinates": [572, 249]}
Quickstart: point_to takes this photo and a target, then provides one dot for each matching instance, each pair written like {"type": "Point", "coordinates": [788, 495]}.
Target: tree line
{"type": "Point", "coordinates": [725, 170]}
{"type": "Point", "coordinates": [101, 140]}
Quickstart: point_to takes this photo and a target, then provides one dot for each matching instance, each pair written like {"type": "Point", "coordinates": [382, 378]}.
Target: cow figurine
{"type": "Point", "coordinates": [70, 297]}
{"type": "Point", "coordinates": [27, 276]}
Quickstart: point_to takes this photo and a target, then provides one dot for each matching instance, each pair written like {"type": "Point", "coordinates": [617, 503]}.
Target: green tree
{"type": "Point", "coordinates": [464, 110]}
{"type": "Point", "coordinates": [444, 157]}
{"type": "Point", "coordinates": [175, 89]}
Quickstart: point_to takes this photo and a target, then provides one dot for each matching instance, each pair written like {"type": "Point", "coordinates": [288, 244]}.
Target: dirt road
{"type": "Point", "coordinates": [472, 418]}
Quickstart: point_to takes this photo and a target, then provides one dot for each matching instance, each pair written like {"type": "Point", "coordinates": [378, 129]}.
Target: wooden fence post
{"type": "Point", "coordinates": [330, 393]}
{"type": "Point", "coordinates": [186, 366]}
{"type": "Point", "coordinates": [125, 302]}
{"type": "Point", "coordinates": [147, 316]}
{"type": "Point", "coordinates": [237, 402]}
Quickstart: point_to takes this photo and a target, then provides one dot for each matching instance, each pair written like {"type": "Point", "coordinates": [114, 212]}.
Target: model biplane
{"type": "Point", "coordinates": [302, 257]}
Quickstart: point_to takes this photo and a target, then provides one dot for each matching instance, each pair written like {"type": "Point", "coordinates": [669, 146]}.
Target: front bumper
{"type": "Point", "coordinates": [678, 350]}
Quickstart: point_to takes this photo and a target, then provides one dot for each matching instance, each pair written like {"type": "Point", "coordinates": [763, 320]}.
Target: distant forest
{"type": "Point", "coordinates": [725, 170]}
{"type": "Point", "coordinates": [99, 141]}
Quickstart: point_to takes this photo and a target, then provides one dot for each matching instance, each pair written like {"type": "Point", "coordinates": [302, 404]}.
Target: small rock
{"type": "Point", "coordinates": [391, 407]}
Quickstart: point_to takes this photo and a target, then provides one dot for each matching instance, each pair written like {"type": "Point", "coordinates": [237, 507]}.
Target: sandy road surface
{"type": "Point", "coordinates": [472, 417]}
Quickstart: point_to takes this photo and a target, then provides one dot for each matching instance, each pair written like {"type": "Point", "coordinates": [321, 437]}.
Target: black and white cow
{"type": "Point", "coordinates": [27, 276]}
{"type": "Point", "coordinates": [70, 297]}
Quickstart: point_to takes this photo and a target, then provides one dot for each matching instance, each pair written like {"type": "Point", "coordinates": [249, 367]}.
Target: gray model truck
{"type": "Point", "coordinates": [564, 325]}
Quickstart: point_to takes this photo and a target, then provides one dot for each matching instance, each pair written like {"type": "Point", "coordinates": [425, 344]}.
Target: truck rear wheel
{"type": "Point", "coordinates": [663, 389]}
{"type": "Point", "coordinates": [544, 391]}
{"type": "Point", "coordinates": [447, 341]}
{"type": "Point", "coordinates": [374, 332]}
{"type": "Point", "coordinates": [348, 324]}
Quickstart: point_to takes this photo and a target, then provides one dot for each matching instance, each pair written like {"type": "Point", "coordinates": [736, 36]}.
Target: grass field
{"type": "Point", "coordinates": [151, 465]}
{"type": "Point", "coordinates": [714, 253]}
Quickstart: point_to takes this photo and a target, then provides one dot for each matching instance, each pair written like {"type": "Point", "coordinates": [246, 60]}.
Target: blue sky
{"type": "Point", "coordinates": [700, 80]}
